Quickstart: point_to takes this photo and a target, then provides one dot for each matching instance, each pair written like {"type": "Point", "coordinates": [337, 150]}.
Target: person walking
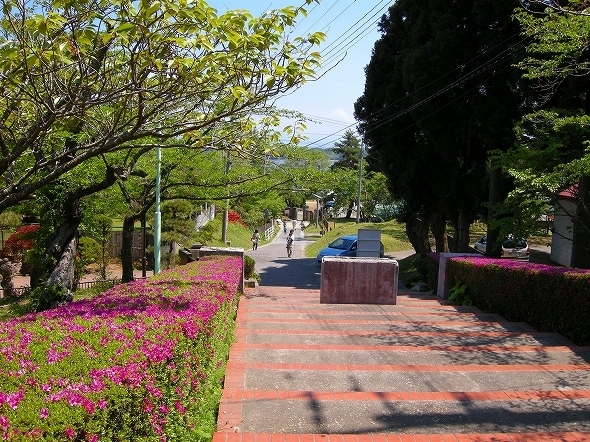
{"type": "Point", "coordinates": [255, 238]}
{"type": "Point", "coordinates": [285, 227]}
{"type": "Point", "coordinates": [290, 243]}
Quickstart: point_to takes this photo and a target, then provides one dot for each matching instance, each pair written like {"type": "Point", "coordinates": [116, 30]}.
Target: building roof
{"type": "Point", "coordinates": [569, 193]}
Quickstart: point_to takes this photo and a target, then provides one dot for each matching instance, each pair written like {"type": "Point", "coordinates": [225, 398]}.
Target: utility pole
{"type": "Point", "coordinates": [317, 209]}
{"type": "Point", "coordinates": [358, 196]}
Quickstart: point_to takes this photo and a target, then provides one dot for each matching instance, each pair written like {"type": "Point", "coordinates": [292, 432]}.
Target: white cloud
{"type": "Point", "coordinates": [341, 115]}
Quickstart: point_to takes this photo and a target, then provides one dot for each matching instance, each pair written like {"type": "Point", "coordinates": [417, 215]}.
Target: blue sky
{"type": "Point", "coordinates": [351, 31]}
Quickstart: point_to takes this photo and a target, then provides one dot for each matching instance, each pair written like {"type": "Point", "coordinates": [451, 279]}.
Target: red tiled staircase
{"type": "Point", "coordinates": [421, 370]}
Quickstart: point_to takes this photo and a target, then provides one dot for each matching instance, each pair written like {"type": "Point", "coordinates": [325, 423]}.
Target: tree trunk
{"type": "Point", "coordinates": [61, 253]}
{"type": "Point", "coordinates": [581, 235]}
{"type": "Point", "coordinates": [438, 226]}
{"type": "Point", "coordinates": [60, 256]}
{"type": "Point", "coordinates": [417, 231]}
{"type": "Point", "coordinates": [349, 210]}
{"type": "Point", "coordinates": [461, 240]}
{"type": "Point", "coordinates": [63, 273]}
{"type": "Point", "coordinates": [126, 248]}
{"type": "Point", "coordinates": [492, 248]}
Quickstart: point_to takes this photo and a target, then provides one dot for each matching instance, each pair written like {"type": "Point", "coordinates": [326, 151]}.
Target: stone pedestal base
{"type": "Point", "coordinates": [359, 281]}
{"type": "Point", "coordinates": [442, 291]}
{"type": "Point", "coordinates": [250, 283]}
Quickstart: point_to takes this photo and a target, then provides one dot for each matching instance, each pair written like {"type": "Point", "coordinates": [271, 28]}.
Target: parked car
{"type": "Point", "coordinates": [343, 246]}
{"type": "Point", "coordinates": [511, 248]}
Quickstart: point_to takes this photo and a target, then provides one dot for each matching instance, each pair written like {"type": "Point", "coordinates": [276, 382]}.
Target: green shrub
{"type": "Point", "coordinates": [458, 295]}
{"type": "Point", "coordinates": [550, 299]}
{"type": "Point", "coordinates": [249, 268]}
{"type": "Point", "coordinates": [207, 232]}
{"type": "Point", "coordinates": [249, 264]}
{"type": "Point", "coordinates": [89, 252]}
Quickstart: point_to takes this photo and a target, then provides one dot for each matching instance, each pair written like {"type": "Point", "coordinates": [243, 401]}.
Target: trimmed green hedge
{"type": "Point", "coordinates": [550, 299]}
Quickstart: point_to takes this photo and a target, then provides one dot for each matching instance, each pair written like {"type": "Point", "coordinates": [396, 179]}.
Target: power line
{"type": "Point", "coordinates": [489, 64]}
{"type": "Point", "coordinates": [337, 49]}
{"type": "Point", "coordinates": [353, 31]}
{"type": "Point", "coordinates": [462, 79]}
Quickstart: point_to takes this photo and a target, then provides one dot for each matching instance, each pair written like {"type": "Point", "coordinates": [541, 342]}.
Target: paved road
{"type": "Point", "coordinates": [276, 269]}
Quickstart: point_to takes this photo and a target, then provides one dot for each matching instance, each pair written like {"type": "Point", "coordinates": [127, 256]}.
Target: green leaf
{"type": "Point", "coordinates": [106, 38]}
{"type": "Point", "coordinates": [31, 61]}
{"type": "Point", "coordinates": [125, 28]}
{"type": "Point", "coordinates": [84, 41]}
{"type": "Point", "coordinates": [206, 43]}
{"type": "Point", "coordinates": [155, 7]}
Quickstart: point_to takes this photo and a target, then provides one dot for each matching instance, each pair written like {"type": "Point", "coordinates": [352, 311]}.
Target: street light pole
{"type": "Point", "coordinates": [226, 211]}
{"type": "Point", "coordinates": [157, 214]}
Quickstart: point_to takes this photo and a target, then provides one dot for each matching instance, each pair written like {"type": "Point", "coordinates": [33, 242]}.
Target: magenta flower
{"type": "Point", "coordinates": [135, 337]}
{"type": "Point", "coordinates": [179, 407]}
{"type": "Point", "coordinates": [69, 433]}
{"type": "Point", "coordinates": [13, 399]}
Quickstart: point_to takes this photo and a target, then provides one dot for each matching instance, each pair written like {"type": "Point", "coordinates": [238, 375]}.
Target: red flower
{"type": "Point", "coordinates": [20, 241]}
{"type": "Point", "coordinates": [234, 217]}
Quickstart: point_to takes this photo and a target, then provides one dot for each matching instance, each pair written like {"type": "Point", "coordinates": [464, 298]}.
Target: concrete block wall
{"type": "Point", "coordinates": [442, 291]}
{"type": "Point", "coordinates": [357, 280]}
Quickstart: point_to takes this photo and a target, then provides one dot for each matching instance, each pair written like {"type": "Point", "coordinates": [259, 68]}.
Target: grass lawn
{"type": "Point", "coordinates": [393, 235]}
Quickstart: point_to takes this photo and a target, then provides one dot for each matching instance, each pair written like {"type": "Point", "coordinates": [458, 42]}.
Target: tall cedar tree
{"type": "Point", "coordinates": [348, 151]}
{"type": "Point", "coordinates": [440, 93]}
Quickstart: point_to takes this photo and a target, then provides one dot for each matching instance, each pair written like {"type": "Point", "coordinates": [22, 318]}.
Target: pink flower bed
{"type": "Point", "coordinates": [138, 361]}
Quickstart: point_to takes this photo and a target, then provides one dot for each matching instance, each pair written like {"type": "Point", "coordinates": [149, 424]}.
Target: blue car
{"type": "Point", "coordinates": [342, 246]}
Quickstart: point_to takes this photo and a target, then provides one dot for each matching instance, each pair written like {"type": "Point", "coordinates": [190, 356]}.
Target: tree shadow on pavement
{"type": "Point", "coordinates": [292, 272]}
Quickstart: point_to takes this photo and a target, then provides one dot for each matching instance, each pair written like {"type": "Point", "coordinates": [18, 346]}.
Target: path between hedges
{"type": "Point", "coordinates": [421, 370]}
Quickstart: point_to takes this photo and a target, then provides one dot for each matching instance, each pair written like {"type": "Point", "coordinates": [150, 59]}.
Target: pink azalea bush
{"type": "Point", "coordinates": [548, 298]}
{"type": "Point", "coordinates": [144, 361]}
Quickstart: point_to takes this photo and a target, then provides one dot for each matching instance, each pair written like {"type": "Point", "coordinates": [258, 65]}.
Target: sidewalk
{"type": "Point", "coordinates": [421, 370]}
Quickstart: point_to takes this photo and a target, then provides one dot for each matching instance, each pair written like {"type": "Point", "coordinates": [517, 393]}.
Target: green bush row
{"type": "Point", "coordinates": [550, 299]}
